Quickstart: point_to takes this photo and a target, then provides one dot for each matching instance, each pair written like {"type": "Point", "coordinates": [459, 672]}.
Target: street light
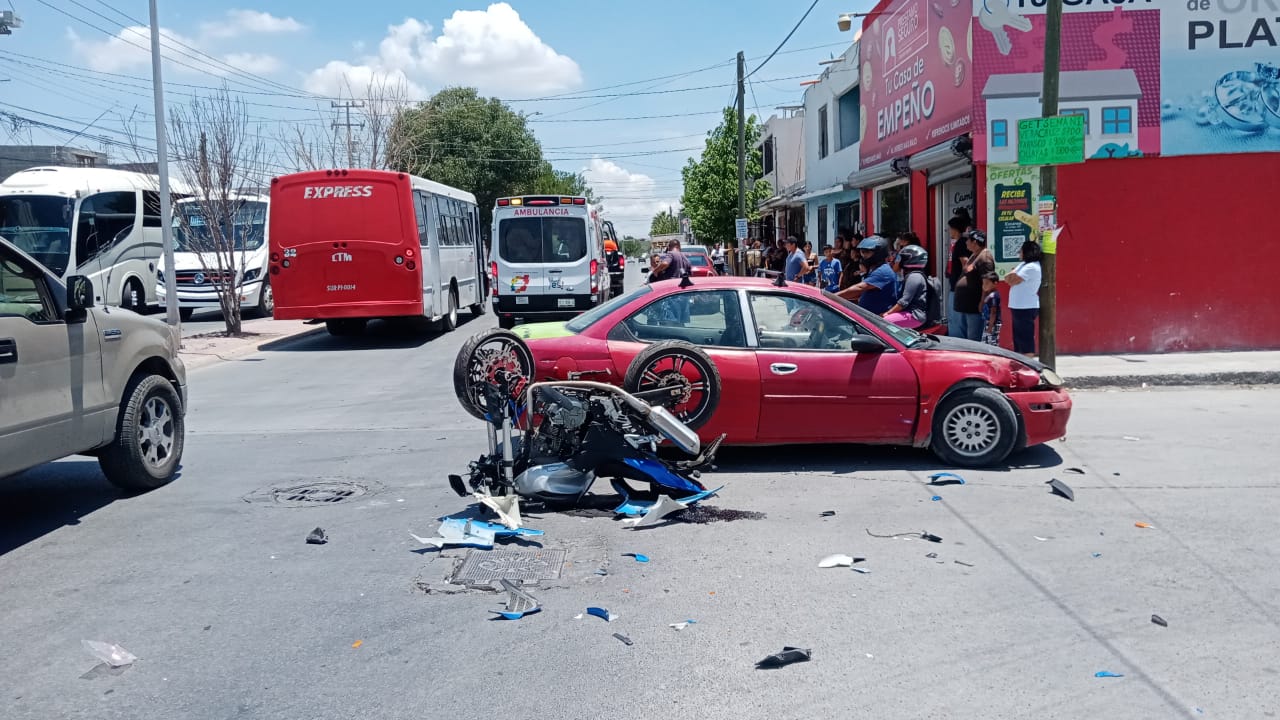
{"type": "Point", "coordinates": [845, 22]}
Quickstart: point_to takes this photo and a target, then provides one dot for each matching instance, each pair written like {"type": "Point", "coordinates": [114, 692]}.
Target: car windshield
{"type": "Point", "coordinates": [192, 233]}
{"type": "Point", "coordinates": [41, 226]}
{"type": "Point", "coordinates": [542, 239]}
{"type": "Point", "coordinates": [906, 336]}
{"type": "Point", "coordinates": [593, 316]}
{"type": "Point", "coordinates": [698, 259]}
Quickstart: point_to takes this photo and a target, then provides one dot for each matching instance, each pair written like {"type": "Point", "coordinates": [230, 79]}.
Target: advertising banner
{"type": "Point", "coordinates": [1220, 61]}
{"type": "Point", "coordinates": [917, 58]}
{"type": "Point", "coordinates": [1013, 192]}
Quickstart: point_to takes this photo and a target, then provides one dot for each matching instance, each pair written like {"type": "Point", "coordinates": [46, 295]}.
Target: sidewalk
{"type": "Point", "coordinates": [1206, 368]}
{"type": "Point", "coordinates": [198, 352]}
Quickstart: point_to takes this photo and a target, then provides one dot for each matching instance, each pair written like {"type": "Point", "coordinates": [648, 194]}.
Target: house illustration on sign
{"type": "Point", "coordinates": [1108, 100]}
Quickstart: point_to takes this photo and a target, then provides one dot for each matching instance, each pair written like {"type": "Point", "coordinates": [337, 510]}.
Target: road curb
{"type": "Point", "coordinates": [196, 361]}
{"type": "Point", "coordinates": [1251, 377]}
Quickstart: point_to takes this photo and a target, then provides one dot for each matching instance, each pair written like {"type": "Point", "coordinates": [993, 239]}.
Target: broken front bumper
{"type": "Point", "coordinates": [1044, 413]}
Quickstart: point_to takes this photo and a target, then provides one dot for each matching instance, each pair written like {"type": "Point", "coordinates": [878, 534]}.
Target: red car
{"type": "Point", "coordinates": [784, 363]}
{"type": "Point", "coordinates": [700, 259]}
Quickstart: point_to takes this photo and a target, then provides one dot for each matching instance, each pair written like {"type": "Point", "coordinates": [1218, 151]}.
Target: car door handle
{"type": "Point", "coordinates": [8, 351]}
{"type": "Point", "coordinates": [783, 368]}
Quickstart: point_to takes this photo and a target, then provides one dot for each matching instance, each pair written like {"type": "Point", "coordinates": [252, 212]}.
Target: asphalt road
{"type": "Point", "coordinates": [232, 615]}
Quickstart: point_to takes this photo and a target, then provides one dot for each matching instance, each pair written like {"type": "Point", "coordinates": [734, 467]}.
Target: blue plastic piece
{"type": "Point", "coordinates": [505, 615]}
{"type": "Point", "coordinates": [660, 474]}
{"type": "Point", "coordinates": [600, 613]}
{"type": "Point", "coordinates": [953, 478]}
{"type": "Point", "coordinates": [632, 508]}
{"type": "Point", "coordinates": [936, 498]}
{"type": "Point", "coordinates": [639, 558]}
{"type": "Point", "coordinates": [497, 529]}
{"type": "Point", "coordinates": [1107, 674]}
{"type": "Point", "coordinates": [1097, 555]}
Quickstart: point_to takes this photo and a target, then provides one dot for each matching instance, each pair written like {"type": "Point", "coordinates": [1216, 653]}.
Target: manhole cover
{"type": "Point", "coordinates": [484, 566]}
{"type": "Point", "coordinates": [310, 494]}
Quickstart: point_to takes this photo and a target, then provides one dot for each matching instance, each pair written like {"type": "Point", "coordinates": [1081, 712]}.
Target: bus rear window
{"type": "Point", "coordinates": [542, 240]}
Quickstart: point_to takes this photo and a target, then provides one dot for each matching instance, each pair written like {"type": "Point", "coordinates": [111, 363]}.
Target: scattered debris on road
{"type": "Point", "coordinates": [317, 537]}
{"type": "Point", "coordinates": [1145, 526]}
{"type": "Point", "coordinates": [1058, 487]}
{"type": "Point", "coordinates": [936, 498]}
{"type": "Point", "coordinates": [625, 640]}
{"type": "Point", "coordinates": [862, 571]}
{"type": "Point", "coordinates": [507, 507]}
{"type": "Point", "coordinates": [1074, 471]}
{"type": "Point", "coordinates": [1159, 621]}
{"type": "Point", "coordinates": [519, 602]}
{"type": "Point", "coordinates": [1041, 539]}
{"type": "Point", "coordinates": [827, 513]}
{"type": "Point", "coordinates": [1131, 438]}
{"type": "Point", "coordinates": [109, 653]}
{"type": "Point", "coordinates": [961, 562]}
{"type": "Point", "coordinates": [682, 625]}
{"type": "Point", "coordinates": [601, 613]}
{"type": "Point", "coordinates": [1097, 555]}
{"type": "Point", "coordinates": [788, 656]}
{"type": "Point", "coordinates": [923, 535]}
{"type": "Point", "coordinates": [1107, 674]}
{"type": "Point", "coordinates": [639, 558]}
{"type": "Point", "coordinates": [357, 643]}
{"type": "Point", "coordinates": [832, 561]}
{"type": "Point", "coordinates": [946, 478]}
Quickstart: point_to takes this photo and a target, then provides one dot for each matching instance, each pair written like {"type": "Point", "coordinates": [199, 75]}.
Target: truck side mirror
{"type": "Point", "coordinates": [79, 297]}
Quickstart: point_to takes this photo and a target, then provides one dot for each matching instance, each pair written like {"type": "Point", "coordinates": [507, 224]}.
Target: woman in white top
{"type": "Point", "coordinates": [1024, 298]}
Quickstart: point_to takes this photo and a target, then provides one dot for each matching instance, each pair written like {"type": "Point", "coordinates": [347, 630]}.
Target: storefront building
{"type": "Point", "coordinates": [832, 107]}
{"type": "Point", "coordinates": [1181, 115]}
{"type": "Point", "coordinates": [782, 161]}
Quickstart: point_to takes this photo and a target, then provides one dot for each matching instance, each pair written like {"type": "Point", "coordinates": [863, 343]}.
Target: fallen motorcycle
{"type": "Point", "coordinates": [550, 441]}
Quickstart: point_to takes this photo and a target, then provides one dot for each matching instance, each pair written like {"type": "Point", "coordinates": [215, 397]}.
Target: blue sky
{"type": "Point", "coordinates": [290, 57]}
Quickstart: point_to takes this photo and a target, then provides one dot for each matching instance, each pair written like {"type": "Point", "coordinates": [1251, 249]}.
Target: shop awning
{"type": "Point", "coordinates": [874, 175]}
{"type": "Point", "coordinates": [943, 162]}
{"type": "Point", "coordinates": [824, 191]}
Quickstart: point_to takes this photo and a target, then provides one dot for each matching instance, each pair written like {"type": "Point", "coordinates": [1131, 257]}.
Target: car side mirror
{"type": "Point", "coordinates": [79, 296]}
{"type": "Point", "coordinates": [866, 344]}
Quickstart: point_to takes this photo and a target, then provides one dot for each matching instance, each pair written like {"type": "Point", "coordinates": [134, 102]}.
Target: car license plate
{"type": "Point", "coordinates": [565, 302]}
{"type": "Point", "coordinates": [522, 300]}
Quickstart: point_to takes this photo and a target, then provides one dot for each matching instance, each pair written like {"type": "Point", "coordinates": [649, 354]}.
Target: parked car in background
{"type": "Point", "coordinates": [79, 379]}
{"type": "Point", "coordinates": [792, 364]}
{"type": "Point", "coordinates": [197, 256]}
{"type": "Point", "coordinates": [701, 265]}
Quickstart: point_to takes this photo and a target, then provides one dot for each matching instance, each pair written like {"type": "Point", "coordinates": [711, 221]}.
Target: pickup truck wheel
{"type": "Point", "coordinates": [149, 436]}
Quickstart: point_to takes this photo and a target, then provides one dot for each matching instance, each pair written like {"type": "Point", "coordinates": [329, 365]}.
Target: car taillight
{"type": "Point", "coordinates": [595, 280]}
{"type": "Point", "coordinates": [622, 261]}
{"type": "Point", "coordinates": [493, 273]}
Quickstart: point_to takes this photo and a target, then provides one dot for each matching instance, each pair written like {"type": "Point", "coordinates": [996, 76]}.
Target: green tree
{"type": "Point", "coordinates": [711, 182]}
{"type": "Point", "coordinates": [476, 144]}
{"type": "Point", "coordinates": [559, 182]}
{"type": "Point", "coordinates": [664, 223]}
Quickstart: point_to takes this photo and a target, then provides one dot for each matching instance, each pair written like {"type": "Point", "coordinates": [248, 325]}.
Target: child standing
{"type": "Point", "coordinates": [829, 270]}
{"type": "Point", "coordinates": [991, 320]}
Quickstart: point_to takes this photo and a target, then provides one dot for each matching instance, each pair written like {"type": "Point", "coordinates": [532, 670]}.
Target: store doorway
{"type": "Point", "coordinates": [893, 207]}
{"type": "Point", "coordinates": [949, 197]}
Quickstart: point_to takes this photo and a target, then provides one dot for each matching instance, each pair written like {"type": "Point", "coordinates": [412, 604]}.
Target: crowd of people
{"type": "Point", "coordinates": [894, 280]}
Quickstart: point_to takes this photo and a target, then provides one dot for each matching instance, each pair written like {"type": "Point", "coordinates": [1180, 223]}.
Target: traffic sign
{"type": "Point", "coordinates": [740, 227]}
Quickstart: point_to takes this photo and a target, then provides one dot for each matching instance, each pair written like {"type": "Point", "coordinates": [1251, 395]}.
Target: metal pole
{"type": "Point", "coordinates": [162, 169]}
{"type": "Point", "coordinates": [742, 142]}
{"type": "Point", "coordinates": [1049, 186]}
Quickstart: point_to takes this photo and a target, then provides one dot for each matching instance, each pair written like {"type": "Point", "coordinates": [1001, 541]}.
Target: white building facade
{"type": "Point", "coordinates": [832, 108]}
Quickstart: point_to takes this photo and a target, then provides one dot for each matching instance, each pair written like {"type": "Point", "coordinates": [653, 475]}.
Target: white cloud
{"type": "Point", "coordinates": [130, 50]}
{"type": "Point", "coordinates": [630, 199]}
{"type": "Point", "coordinates": [253, 21]}
{"type": "Point", "coordinates": [492, 49]}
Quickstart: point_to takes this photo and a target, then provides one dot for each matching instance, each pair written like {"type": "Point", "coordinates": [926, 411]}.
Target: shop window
{"type": "Point", "coordinates": [1000, 133]}
{"type": "Point", "coordinates": [768, 155]}
{"type": "Point", "coordinates": [895, 210]}
{"type": "Point", "coordinates": [848, 218]}
{"type": "Point", "coordinates": [1117, 121]}
{"type": "Point", "coordinates": [850, 106]}
{"type": "Point", "coordinates": [1083, 112]}
{"type": "Point", "coordinates": [823, 146]}
{"type": "Point", "coordinates": [822, 226]}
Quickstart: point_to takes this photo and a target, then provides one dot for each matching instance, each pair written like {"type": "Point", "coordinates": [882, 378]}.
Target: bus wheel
{"type": "Point", "coordinates": [478, 308]}
{"type": "Point", "coordinates": [345, 327]}
{"type": "Point", "coordinates": [449, 320]}
{"type": "Point", "coordinates": [132, 297]}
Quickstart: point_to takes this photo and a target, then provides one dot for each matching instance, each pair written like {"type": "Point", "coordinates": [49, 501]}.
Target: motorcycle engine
{"type": "Point", "coordinates": [559, 435]}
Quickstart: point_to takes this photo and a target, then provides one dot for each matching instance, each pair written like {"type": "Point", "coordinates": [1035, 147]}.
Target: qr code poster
{"type": "Point", "coordinates": [1011, 199]}
{"type": "Point", "coordinates": [1013, 245]}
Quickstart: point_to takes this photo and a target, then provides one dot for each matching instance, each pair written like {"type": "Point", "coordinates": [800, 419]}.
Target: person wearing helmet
{"type": "Point", "coordinates": [879, 287]}
{"type": "Point", "coordinates": [912, 308]}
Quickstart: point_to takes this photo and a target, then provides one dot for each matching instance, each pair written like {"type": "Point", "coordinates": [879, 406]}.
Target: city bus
{"type": "Point", "coordinates": [349, 246]}
{"type": "Point", "coordinates": [89, 221]}
{"type": "Point", "coordinates": [196, 257]}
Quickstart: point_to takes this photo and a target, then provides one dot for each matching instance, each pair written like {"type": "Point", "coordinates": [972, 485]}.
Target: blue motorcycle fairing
{"type": "Point", "coordinates": [661, 475]}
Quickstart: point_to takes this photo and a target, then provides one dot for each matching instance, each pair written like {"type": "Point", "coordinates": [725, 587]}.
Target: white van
{"type": "Point", "coordinates": [101, 223]}
{"type": "Point", "coordinates": [197, 273]}
{"type": "Point", "coordinates": [547, 259]}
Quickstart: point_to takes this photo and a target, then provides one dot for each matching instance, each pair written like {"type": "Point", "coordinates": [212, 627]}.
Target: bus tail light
{"type": "Point", "coordinates": [595, 278]}
{"type": "Point", "coordinates": [408, 252]}
{"type": "Point", "coordinates": [579, 201]}
{"type": "Point", "coordinates": [493, 273]}
{"type": "Point", "coordinates": [412, 265]}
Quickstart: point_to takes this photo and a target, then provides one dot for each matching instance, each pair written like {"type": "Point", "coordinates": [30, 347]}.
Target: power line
{"type": "Point", "coordinates": [785, 39]}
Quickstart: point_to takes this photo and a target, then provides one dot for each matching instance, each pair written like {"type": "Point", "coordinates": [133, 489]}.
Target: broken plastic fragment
{"type": "Point", "coordinates": [1097, 555]}
{"type": "Point", "coordinates": [788, 656]}
{"type": "Point", "coordinates": [519, 602]}
{"type": "Point", "coordinates": [499, 530]}
{"type": "Point", "coordinates": [831, 561]}
{"type": "Point", "coordinates": [1142, 525]}
{"type": "Point", "coordinates": [1107, 674]}
{"type": "Point", "coordinates": [1131, 438]}
{"type": "Point", "coordinates": [625, 640]}
{"type": "Point", "coordinates": [1060, 488]}
{"type": "Point", "coordinates": [317, 537]}
{"type": "Point", "coordinates": [961, 562]}
{"type": "Point", "coordinates": [639, 558]}
{"type": "Point", "coordinates": [864, 571]}
{"type": "Point", "coordinates": [936, 498]}
{"type": "Point", "coordinates": [1041, 539]}
{"type": "Point", "coordinates": [932, 555]}
{"type": "Point", "coordinates": [945, 478]}
{"type": "Point", "coordinates": [601, 613]}
{"type": "Point", "coordinates": [827, 513]}
{"type": "Point", "coordinates": [507, 507]}
{"type": "Point", "coordinates": [682, 625]}
{"type": "Point", "coordinates": [357, 643]}
{"type": "Point", "coordinates": [930, 537]}
{"type": "Point", "coordinates": [665, 506]}
{"type": "Point", "coordinates": [460, 532]}
{"type": "Point", "coordinates": [641, 507]}
{"type": "Point", "coordinates": [578, 616]}
{"type": "Point", "coordinates": [509, 615]}
{"type": "Point", "coordinates": [1159, 621]}
{"type": "Point", "coordinates": [111, 654]}
{"type": "Point", "coordinates": [1074, 471]}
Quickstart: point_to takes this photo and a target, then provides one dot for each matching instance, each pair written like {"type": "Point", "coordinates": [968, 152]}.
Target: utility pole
{"type": "Point", "coordinates": [347, 105]}
{"type": "Point", "coordinates": [1049, 186]}
{"type": "Point", "coordinates": [162, 169]}
{"type": "Point", "coordinates": [742, 149]}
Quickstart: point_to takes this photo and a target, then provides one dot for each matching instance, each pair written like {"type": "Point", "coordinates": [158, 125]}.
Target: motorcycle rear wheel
{"type": "Point", "coordinates": [682, 364]}
{"type": "Point", "coordinates": [480, 358]}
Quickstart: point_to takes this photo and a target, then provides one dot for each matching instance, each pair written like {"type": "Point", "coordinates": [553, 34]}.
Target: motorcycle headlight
{"type": "Point", "coordinates": [252, 274]}
{"type": "Point", "coordinates": [1051, 378]}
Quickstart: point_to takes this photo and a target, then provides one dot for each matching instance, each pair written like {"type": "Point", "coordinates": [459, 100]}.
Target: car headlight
{"type": "Point", "coordinates": [252, 274]}
{"type": "Point", "coordinates": [160, 275]}
{"type": "Point", "coordinates": [1051, 378]}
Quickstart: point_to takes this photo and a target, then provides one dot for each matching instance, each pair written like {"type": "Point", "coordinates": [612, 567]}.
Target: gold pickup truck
{"type": "Point", "coordinates": [82, 380]}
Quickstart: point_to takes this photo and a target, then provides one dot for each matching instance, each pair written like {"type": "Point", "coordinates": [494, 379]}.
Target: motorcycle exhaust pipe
{"type": "Point", "coordinates": [661, 418]}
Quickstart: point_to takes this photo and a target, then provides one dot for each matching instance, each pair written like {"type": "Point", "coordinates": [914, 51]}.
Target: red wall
{"type": "Point", "coordinates": [1169, 254]}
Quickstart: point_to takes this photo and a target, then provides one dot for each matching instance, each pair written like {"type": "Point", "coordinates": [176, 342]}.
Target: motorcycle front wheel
{"type": "Point", "coordinates": [481, 359]}
{"type": "Point", "coordinates": [681, 366]}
